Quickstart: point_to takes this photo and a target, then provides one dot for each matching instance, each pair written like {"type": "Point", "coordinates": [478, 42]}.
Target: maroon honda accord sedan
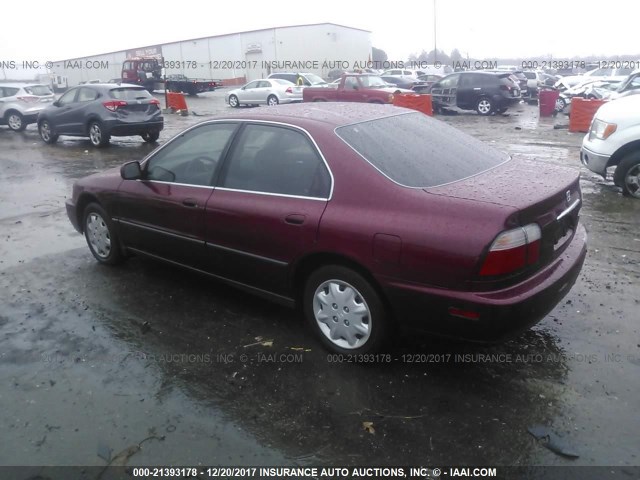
{"type": "Point", "coordinates": [370, 217]}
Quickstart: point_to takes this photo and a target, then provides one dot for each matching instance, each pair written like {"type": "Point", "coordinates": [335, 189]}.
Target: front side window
{"type": "Point", "coordinates": [68, 97]}
{"type": "Point", "coordinates": [193, 158]}
{"type": "Point", "coordinates": [274, 159]}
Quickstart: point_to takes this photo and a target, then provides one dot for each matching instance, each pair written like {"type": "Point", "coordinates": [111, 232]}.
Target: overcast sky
{"type": "Point", "coordinates": [481, 28]}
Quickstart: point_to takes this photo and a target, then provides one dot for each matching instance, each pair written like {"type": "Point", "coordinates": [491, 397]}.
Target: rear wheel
{"type": "Point", "coordinates": [46, 132]}
{"type": "Point", "coordinates": [97, 135]}
{"type": "Point", "coordinates": [345, 311]}
{"type": "Point", "coordinates": [150, 137]}
{"type": "Point", "coordinates": [272, 100]}
{"type": "Point", "coordinates": [627, 175]}
{"type": "Point", "coordinates": [484, 106]}
{"type": "Point", "coordinates": [15, 121]}
{"type": "Point", "coordinates": [101, 236]}
{"type": "Point", "coordinates": [560, 104]}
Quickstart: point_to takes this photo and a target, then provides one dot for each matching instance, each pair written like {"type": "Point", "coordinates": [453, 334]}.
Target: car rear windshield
{"type": "Point", "coordinates": [129, 93]}
{"type": "Point", "coordinates": [418, 151]}
{"type": "Point", "coordinates": [39, 90]}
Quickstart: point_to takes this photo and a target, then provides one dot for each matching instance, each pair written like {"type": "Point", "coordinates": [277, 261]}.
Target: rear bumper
{"type": "Point", "coordinates": [501, 312]}
{"type": "Point", "coordinates": [118, 128]}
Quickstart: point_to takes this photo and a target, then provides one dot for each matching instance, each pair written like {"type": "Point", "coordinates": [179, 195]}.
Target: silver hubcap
{"type": "Point", "coordinates": [342, 314]}
{"type": "Point", "coordinates": [632, 181]}
{"type": "Point", "coordinates": [95, 134]}
{"type": "Point", "coordinates": [233, 101]}
{"type": "Point", "coordinates": [98, 235]}
{"type": "Point", "coordinates": [559, 104]}
{"type": "Point", "coordinates": [45, 131]}
{"type": "Point", "coordinates": [273, 101]}
{"type": "Point", "coordinates": [15, 122]}
{"type": "Point", "coordinates": [484, 106]}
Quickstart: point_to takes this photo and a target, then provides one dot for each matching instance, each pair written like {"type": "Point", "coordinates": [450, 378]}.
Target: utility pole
{"type": "Point", "coordinates": [435, 46]}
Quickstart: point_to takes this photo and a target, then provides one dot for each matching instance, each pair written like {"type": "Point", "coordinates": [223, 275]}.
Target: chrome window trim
{"type": "Point", "coordinates": [239, 121]}
{"type": "Point", "coordinates": [271, 194]}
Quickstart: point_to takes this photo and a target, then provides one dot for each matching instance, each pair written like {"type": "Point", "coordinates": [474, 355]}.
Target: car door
{"type": "Point", "coordinates": [162, 213]}
{"type": "Point", "coordinates": [250, 93]}
{"type": "Point", "coordinates": [350, 91]}
{"type": "Point", "coordinates": [263, 91]}
{"type": "Point", "coordinates": [266, 209]}
{"type": "Point", "coordinates": [66, 110]}
{"type": "Point", "coordinates": [469, 90]}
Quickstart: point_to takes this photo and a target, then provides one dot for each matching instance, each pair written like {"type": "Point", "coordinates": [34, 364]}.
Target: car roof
{"type": "Point", "coordinates": [110, 86]}
{"type": "Point", "coordinates": [329, 114]}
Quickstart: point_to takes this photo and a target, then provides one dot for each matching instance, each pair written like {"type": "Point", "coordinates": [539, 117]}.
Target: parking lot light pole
{"type": "Point", "coordinates": [435, 46]}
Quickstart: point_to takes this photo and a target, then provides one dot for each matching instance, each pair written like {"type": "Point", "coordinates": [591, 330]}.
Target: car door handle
{"type": "Point", "coordinates": [190, 202]}
{"type": "Point", "coordinates": [477, 88]}
{"type": "Point", "coordinates": [295, 219]}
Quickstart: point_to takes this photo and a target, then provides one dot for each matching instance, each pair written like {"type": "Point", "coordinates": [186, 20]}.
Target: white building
{"type": "Point", "coordinates": [239, 57]}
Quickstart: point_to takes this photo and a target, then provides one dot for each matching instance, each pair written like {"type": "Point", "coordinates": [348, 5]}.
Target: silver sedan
{"type": "Point", "coordinates": [268, 91]}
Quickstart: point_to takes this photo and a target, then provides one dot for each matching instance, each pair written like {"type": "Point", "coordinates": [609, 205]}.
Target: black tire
{"type": "Point", "coordinates": [627, 175]}
{"type": "Point", "coordinates": [319, 100]}
{"type": "Point", "coordinates": [272, 100]}
{"type": "Point", "coordinates": [46, 132]}
{"type": "Point", "coordinates": [97, 136]}
{"type": "Point", "coordinates": [484, 106]}
{"type": "Point", "coordinates": [233, 101]}
{"type": "Point", "coordinates": [101, 235]}
{"type": "Point", "coordinates": [15, 121]}
{"type": "Point", "coordinates": [560, 104]}
{"type": "Point", "coordinates": [150, 137]}
{"type": "Point", "coordinates": [361, 316]}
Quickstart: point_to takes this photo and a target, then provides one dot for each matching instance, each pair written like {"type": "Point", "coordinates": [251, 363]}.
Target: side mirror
{"type": "Point", "coordinates": [56, 103]}
{"type": "Point", "coordinates": [131, 171]}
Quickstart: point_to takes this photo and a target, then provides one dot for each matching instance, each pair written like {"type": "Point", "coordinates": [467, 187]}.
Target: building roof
{"type": "Point", "coordinates": [215, 36]}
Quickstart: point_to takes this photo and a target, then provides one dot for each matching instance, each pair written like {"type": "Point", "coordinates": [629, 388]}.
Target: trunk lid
{"type": "Point", "coordinates": [550, 197]}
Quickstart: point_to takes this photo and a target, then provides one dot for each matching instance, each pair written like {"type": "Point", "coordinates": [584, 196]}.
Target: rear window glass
{"type": "Point", "coordinates": [129, 94]}
{"type": "Point", "coordinates": [417, 151]}
{"type": "Point", "coordinates": [39, 90]}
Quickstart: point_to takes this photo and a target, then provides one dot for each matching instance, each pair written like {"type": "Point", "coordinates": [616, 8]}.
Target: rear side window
{"type": "Point", "coordinates": [129, 94]}
{"type": "Point", "coordinates": [9, 91]}
{"type": "Point", "coordinates": [417, 151]}
{"type": "Point", "coordinates": [39, 90]}
{"type": "Point", "coordinates": [272, 159]}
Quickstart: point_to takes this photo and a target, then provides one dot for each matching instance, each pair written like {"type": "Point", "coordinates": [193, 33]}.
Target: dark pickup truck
{"type": "Point", "coordinates": [353, 88]}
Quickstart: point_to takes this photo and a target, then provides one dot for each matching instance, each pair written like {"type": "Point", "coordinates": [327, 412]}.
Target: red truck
{"type": "Point", "coordinates": [353, 88]}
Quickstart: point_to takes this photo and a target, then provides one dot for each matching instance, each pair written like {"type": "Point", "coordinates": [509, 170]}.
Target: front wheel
{"type": "Point", "coordinates": [233, 101]}
{"type": "Point", "coordinates": [150, 137]}
{"type": "Point", "coordinates": [16, 122]}
{"type": "Point", "coordinates": [560, 104]}
{"type": "Point", "coordinates": [345, 311]}
{"type": "Point", "coordinates": [272, 101]}
{"type": "Point", "coordinates": [627, 175]}
{"type": "Point", "coordinates": [484, 106]}
{"type": "Point", "coordinates": [97, 135]}
{"type": "Point", "coordinates": [101, 236]}
{"type": "Point", "coordinates": [46, 132]}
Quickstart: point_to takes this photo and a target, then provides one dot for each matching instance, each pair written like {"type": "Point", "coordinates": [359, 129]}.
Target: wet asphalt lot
{"type": "Point", "coordinates": [145, 364]}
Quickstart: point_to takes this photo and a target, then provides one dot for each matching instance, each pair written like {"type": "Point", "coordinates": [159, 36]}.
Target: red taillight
{"type": "Point", "coordinates": [154, 101]}
{"type": "Point", "coordinates": [513, 250]}
{"type": "Point", "coordinates": [289, 90]}
{"type": "Point", "coordinates": [29, 99]}
{"type": "Point", "coordinates": [113, 105]}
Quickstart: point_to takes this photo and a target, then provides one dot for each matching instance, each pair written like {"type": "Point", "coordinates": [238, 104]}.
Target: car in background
{"type": "Point", "coordinates": [426, 82]}
{"type": "Point", "coordinates": [402, 72]}
{"type": "Point", "coordinates": [20, 103]}
{"type": "Point", "coordinates": [630, 86]}
{"type": "Point", "coordinates": [102, 111]}
{"type": "Point", "coordinates": [406, 83]}
{"type": "Point", "coordinates": [615, 74]}
{"type": "Point", "coordinates": [307, 79]}
{"type": "Point", "coordinates": [270, 91]}
{"type": "Point", "coordinates": [614, 141]}
{"type": "Point", "coordinates": [278, 202]}
{"type": "Point", "coordinates": [517, 76]}
{"type": "Point", "coordinates": [481, 91]}
{"type": "Point", "coordinates": [597, 89]}
{"type": "Point", "coordinates": [535, 80]}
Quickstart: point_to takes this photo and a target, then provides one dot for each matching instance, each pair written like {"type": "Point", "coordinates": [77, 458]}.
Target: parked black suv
{"type": "Point", "coordinates": [483, 92]}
